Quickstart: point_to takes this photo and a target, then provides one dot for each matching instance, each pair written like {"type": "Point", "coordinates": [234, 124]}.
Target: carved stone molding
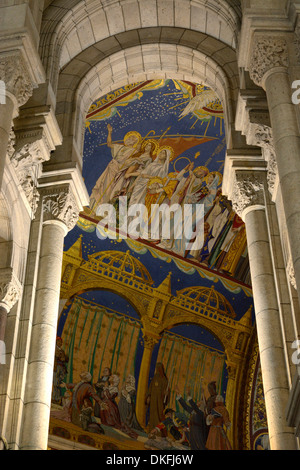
{"type": "Point", "coordinates": [11, 144]}
{"type": "Point", "coordinates": [263, 137]}
{"type": "Point", "coordinates": [15, 76]}
{"type": "Point", "coordinates": [10, 289]}
{"type": "Point", "coordinates": [248, 191]}
{"type": "Point", "coordinates": [268, 52]}
{"type": "Point", "coordinates": [60, 204]}
{"type": "Point", "coordinates": [28, 152]}
{"type": "Point", "coordinates": [291, 273]}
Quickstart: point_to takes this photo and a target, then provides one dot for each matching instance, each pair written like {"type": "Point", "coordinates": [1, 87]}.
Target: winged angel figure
{"type": "Point", "coordinates": [199, 102]}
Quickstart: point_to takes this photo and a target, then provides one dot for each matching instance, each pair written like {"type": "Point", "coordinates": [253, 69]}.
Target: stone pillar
{"type": "Point", "coordinates": [268, 68]}
{"type": "Point", "coordinates": [150, 341]}
{"type": "Point", "coordinates": [249, 202]}
{"type": "Point", "coordinates": [10, 291]}
{"type": "Point", "coordinates": [16, 89]}
{"type": "Point", "coordinates": [60, 212]}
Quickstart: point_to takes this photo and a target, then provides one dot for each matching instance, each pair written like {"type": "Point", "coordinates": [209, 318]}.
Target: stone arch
{"type": "Point", "coordinates": [16, 227]}
{"type": "Point", "coordinates": [78, 87]}
{"type": "Point", "coordinates": [70, 27]}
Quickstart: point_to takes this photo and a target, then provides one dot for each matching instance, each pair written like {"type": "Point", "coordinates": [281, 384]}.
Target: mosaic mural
{"type": "Point", "coordinates": [150, 331]}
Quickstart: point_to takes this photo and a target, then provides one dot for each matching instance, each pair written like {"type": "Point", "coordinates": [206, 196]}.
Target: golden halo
{"type": "Point", "coordinates": [181, 158]}
{"type": "Point", "coordinates": [133, 133]}
{"type": "Point", "coordinates": [202, 168]}
{"type": "Point", "coordinates": [168, 148]}
{"type": "Point", "coordinates": [151, 141]}
{"type": "Point", "coordinates": [215, 173]}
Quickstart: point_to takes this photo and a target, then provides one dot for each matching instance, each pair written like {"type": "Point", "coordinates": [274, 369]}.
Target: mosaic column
{"type": "Point", "coordinates": [249, 202]}
{"type": "Point", "coordinates": [150, 341]}
{"type": "Point", "coordinates": [60, 214]}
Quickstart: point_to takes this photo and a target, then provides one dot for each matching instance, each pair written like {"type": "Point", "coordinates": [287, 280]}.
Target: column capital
{"type": "Point", "coordinates": [248, 192]}
{"type": "Point", "coordinates": [59, 205]}
{"type": "Point", "coordinates": [269, 52]}
{"type": "Point", "coordinates": [150, 339]}
{"type": "Point", "coordinates": [10, 289]}
{"type": "Point", "coordinates": [15, 76]}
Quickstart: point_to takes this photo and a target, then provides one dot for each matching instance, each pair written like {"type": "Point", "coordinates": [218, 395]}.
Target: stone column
{"type": "Point", "coordinates": [60, 212]}
{"type": "Point", "coordinates": [249, 202]}
{"type": "Point", "coordinates": [268, 68]}
{"type": "Point", "coordinates": [150, 341]}
{"type": "Point", "coordinates": [16, 89]}
{"type": "Point", "coordinates": [263, 137]}
{"type": "Point", "coordinates": [10, 291]}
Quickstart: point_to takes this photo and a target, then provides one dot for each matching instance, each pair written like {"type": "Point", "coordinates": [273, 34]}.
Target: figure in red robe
{"type": "Point", "coordinates": [219, 422]}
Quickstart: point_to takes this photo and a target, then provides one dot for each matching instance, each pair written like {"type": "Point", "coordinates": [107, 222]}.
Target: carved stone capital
{"type": "Point", "coordinates": [268, 52]}
{"type": "Point", "coordinates": [15, 76]}
{"type": "Point", "coordinates": [248, 191]}
{"type": "Point", "coordinates": [27, 161]}
{"type": "Point", "coordinates": [59, 204]}
{"type": "Point", "coordinates": [10, 289]}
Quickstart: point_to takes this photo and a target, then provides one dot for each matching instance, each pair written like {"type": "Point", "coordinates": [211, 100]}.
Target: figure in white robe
{"type": "Point", "coordinates": [159, 167]}
{"type": "Point", "coordinates": [138, 162]}
{"type": "Point", "coordinates": [105, 186]}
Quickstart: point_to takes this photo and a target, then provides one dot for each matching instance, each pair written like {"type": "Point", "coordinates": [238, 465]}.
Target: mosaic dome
{"type": "Point", "coordinates": [120, 262]}
{"type": "Point", "coordinates": [207, 296]}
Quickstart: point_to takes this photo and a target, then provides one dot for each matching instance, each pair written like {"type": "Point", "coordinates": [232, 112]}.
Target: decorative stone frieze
{"type": "Point", "coordinates": [248, 191]}
{"type": "Point", "coordinates": [268, 52]}
{"type": "Point", "coordinates": [60, 204]}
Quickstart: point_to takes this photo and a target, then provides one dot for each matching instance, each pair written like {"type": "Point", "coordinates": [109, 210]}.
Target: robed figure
{"type": "Point", "coordinates": [219, 423]}
{"type": "Point", "coordinates": [158, 396]}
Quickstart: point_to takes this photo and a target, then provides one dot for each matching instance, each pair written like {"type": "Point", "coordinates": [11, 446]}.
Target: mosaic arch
{"type": "Point", "coordinates": [146, 320]}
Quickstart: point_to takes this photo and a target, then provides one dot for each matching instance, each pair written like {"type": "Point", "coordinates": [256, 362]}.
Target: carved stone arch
{"type": "Point", "coordinates": [78, 89]}
{"type": "Point", "coordinates": [17, 225]}
{"type": "Point", "coordinates": [68, 28]}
